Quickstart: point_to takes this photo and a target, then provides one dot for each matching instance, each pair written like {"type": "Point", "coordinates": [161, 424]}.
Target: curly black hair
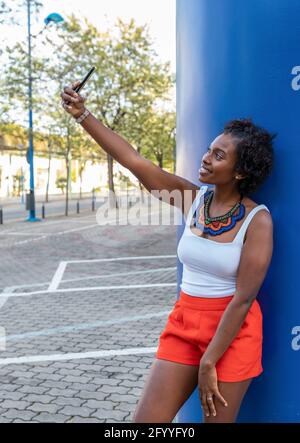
{"type": "Point", "coordinates": [255, 153]}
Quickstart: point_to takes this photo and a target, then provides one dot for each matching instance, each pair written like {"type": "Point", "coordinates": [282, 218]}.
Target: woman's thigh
{"type": "Point", "coordinates": [167, 388]}
{"type": "Point", "coordinates": [233, 392]}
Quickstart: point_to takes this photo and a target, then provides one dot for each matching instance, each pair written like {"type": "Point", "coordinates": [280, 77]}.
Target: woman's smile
{"type": "Point", "coordinates": [204, 171]}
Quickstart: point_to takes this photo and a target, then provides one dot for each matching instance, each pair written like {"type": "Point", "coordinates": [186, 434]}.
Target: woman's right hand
{"type": "Point", "coordinates": [73, 102]}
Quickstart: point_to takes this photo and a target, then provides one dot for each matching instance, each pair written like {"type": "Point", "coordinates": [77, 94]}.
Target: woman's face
{"type": "Point", "coordinates": [220, 159]}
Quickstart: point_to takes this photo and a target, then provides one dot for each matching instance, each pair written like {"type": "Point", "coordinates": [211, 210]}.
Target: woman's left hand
{"type": "Point", "coordinates": [208, 388]}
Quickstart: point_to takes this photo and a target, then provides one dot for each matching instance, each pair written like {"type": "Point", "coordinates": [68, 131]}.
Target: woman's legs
{"type": "Point", "coordinates": [233, 392]}
{"type": "Point", "coordinates": [167, 388]}
{"type": "Point", "coordinates": [170, 384]}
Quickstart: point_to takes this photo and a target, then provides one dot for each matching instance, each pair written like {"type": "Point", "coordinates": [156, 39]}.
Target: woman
{"type": "Point", "coordinates": [213, 336]}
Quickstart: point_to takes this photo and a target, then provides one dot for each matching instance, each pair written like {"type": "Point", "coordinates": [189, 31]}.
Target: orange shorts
{"type": "Point", "coordinates": [192, 324]}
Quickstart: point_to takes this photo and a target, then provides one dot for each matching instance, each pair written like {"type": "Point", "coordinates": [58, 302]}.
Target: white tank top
{"type": "Point", "coordinates": [210, 267]}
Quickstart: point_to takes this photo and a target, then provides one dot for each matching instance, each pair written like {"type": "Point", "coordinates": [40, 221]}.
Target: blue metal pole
{"type": "Point", "coordinates": [238, 59]}
{"type": "Point", "coordinates": [55, 18]}
{"type": "Point", "coordinates": [32, 217]}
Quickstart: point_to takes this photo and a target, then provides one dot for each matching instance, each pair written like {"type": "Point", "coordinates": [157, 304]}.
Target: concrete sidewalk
{"type": "Point", "coordinates": [82, 306]}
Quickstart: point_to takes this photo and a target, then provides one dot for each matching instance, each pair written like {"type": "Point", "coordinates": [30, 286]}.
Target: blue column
{"type": "Point", "coordinates": [238, 59]}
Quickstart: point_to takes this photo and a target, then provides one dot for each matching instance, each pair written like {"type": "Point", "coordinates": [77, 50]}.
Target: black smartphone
{"type": "Point", "coordinates": [81, 85]}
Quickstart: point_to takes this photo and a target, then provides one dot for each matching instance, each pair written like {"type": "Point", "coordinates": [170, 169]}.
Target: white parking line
{"type": "Point", "coordinates": [76, 356]}
{"type": "Point", "coordinates": [57, 276]}
{"type": "Point", "coordinates": [96, 288]}
{"type": "Point", "coordinates": [29, 241]}
{"type": "Point", "coordinates": [141, 257]}
{"type": "Point", "coordinates": [54, 234]}
{"type": "Point", "coordinates": [99, 277]}
{"type": "Point", "coordinates": [11, 289]}
{"type": "Point", "coordinates": [62, 266]}
{"type": "Point", "coordinates": [3, 297]}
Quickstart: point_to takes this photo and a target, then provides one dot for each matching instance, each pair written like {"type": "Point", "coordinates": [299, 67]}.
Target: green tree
{"type": "Point", "coordinates": [61, 183]}
{"type": "Point", "coordinates": [126, 92]}
{"type": "Point", "coordinates": [160, 138]}
{"type": "Point", "coordinates": [84, 150]}
{"type": "Point", "coordinates": [128, 79]}
{"type": "Point", "coordinates": [152, 133]}
{"type": "Point", "coordinates": [71, 143]}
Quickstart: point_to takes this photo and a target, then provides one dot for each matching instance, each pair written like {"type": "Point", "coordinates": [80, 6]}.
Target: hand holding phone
{"type": "Point", "coordinates": [72, 102]}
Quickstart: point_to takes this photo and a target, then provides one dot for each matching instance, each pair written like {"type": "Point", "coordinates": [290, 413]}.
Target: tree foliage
{"type": "Point", "coordinates": [126, 91]}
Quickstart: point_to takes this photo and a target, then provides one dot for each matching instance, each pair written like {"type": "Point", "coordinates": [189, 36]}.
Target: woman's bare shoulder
{"type": "Point", "coordinates": [251, 204]}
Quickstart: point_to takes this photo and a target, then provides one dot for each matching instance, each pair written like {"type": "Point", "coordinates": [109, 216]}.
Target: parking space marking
{"type": "Point", "coordinates": [11, 289]}
{"type": "Point", "coordinates": [141, 257]}
{"type": "Point", "coordinates": [97, 277]}
{"type": "Point", "coordinates": [76, 356]}
{"type": "Point", "coordinates": [3, 295]}
{"type": "Point", "coordinates": [94, 288]}
{"type": "Point", "coordinates": [57, 276]}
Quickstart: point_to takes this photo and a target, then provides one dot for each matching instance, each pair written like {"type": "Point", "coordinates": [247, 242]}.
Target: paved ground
{"type": "Point", "coordinates": [82, 307]}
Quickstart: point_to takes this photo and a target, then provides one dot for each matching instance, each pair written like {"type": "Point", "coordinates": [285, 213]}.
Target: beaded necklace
{"type": "Point", "coordinates": [217, 225]}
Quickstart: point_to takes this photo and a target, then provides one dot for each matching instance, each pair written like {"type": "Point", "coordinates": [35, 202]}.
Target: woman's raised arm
{"type": "Point", "coordinates": [150, 175]}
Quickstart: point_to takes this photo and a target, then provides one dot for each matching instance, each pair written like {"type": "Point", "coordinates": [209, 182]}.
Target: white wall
{"type": "Point", "coordinates": [94, 176]}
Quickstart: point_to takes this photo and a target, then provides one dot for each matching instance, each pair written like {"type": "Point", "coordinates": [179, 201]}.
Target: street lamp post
{"type": "Point", "coordinates": [32, 217]}
{"type": "Point", "coordinates": [56, 18]}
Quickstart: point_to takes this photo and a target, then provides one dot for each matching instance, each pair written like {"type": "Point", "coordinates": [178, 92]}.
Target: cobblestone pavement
{"type": "Point", "coordinates": [82, 307]}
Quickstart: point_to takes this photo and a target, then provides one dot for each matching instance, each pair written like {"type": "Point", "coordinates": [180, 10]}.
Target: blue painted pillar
{"type": "Point", "coordinates": [238, 59]}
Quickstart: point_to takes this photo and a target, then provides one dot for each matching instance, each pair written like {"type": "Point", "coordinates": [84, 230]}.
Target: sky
{"type": "Point", "coordinates": [160, 15]}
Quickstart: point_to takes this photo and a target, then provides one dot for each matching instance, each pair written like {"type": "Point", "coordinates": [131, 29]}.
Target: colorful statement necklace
{"type": "Point", "coordinates": [218, 225]}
